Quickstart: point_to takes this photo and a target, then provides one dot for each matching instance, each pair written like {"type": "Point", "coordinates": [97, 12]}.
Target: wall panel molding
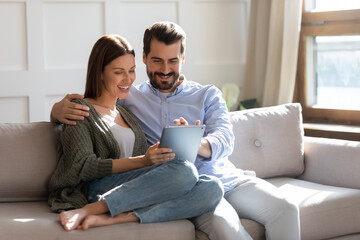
{"type": "Point", "coordinates": [14, 109]}
{"type": "Point", "coordinates": [45, 45]}
{"type": "Point", "coordinates": [70, 29]}
{"type": "Point", "coordinates": [13, 30]}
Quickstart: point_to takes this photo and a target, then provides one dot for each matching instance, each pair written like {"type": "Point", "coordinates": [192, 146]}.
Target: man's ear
{"type": "Point", "coordinates": [144, 58]}
{"type": "Point", "coordinates": [183, 59]}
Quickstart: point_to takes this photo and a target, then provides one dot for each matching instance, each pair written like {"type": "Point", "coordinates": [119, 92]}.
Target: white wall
{"type": "Point", "coordinates": [44, 45]}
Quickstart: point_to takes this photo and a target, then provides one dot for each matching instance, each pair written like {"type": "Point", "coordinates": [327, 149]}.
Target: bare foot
{"type": "Point", "coordinates": [105, 220]}
{"type": "Point", "coordinates": [72, 219]}
{"type": "Point", "coordinates": [96, 221]}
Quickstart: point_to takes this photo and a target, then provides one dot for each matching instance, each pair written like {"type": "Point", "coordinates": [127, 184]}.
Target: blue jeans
{"type": "Point", "coordinates": [164, 192]}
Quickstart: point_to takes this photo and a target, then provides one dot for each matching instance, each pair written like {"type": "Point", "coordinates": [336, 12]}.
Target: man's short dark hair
{"type": "Point", "coordinates": [166, 32]}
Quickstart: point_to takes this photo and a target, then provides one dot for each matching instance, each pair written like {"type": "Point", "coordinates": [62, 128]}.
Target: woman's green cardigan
{"type": "Point", "coordinates": [85, 153]}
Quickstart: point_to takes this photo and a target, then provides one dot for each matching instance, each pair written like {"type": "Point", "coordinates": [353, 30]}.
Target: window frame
{"type": "Point", "coordinates": [344, 22]}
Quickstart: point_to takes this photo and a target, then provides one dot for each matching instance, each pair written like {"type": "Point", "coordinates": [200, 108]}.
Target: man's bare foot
{"type": "Point", "coordinates": [105, 220]}
{"type": "Point", "coordinates": [72, 219]}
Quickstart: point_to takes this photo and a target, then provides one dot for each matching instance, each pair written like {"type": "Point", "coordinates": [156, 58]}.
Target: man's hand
{"type": "Point", "coordinates": [205, 148]}
{"type": "Point", "coordinates": [182, 122]}
{"type": "Point", "coordinates": [67, 112]}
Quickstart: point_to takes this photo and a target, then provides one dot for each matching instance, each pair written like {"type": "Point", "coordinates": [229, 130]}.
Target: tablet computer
{"type": "Point", "coordinates": [183, 140]}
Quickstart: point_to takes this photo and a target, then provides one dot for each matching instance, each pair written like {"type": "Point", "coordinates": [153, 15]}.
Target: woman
{"type": "Point", "coordinates": [104, 165]}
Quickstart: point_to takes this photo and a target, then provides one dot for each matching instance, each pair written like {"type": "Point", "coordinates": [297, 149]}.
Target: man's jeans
{"type": "Point", "coordinates": [168, 191]}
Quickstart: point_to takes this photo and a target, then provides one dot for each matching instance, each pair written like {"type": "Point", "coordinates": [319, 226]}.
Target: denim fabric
{"type": "Point", "coordinates": [203, 198]}
{"type": "Point", "coordinates": [158, 193]}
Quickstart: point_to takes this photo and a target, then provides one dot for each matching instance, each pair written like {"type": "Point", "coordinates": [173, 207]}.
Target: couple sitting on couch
{"type": "Point", "coordinates": [104, 165]}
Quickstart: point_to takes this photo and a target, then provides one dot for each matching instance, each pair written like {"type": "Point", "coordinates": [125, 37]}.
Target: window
{"type": "Point", "coordinates": [328, 79]}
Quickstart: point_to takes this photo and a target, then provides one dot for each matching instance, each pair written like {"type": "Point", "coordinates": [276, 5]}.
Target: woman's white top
{"type": "Point", "coordinates": [124, 136]}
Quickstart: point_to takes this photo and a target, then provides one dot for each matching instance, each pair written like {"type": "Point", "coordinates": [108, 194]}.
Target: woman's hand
{"type": "Point", "coordinates": [156, 155]}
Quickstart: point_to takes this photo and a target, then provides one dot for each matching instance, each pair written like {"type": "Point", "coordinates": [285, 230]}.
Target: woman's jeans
{"type": "Point", "coordinates": [163, 192]}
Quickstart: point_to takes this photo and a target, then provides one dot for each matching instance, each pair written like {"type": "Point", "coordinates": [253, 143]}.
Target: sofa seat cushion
{"type": "Point", "coordinates": [269, 140]}
{"type": "Point", "coordinates": [255, 229]}
{"type": "Point", "coordinates": [34, 220]}
{"type": "Point", "coordinates": [347, 237]}
{"type": "Point", "coordinates": [325, 211]}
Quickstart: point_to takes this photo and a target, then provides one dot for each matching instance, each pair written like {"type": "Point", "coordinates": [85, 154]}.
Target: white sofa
{"type": "Point", "coordinates": [320, 175]}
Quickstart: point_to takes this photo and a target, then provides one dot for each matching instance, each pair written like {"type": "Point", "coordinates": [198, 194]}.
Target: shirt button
{"type": "Point", "coordinates": [257, 143]}
{"type": "Point", "coordinates": [165, 116]}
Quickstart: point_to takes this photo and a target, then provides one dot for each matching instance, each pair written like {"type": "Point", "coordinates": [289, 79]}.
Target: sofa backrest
{"type": "Point", "coordinates": [269, 140]}
{"type": "Point", "coordinates": [27, 160]}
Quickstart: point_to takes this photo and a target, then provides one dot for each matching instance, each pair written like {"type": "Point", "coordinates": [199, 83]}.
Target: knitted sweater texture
{"type": "Point", "coordinates": [85, 153]}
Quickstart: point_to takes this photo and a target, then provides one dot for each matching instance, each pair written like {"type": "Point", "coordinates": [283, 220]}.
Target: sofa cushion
{"type": "Point", "coordinates": [269, 140]}
{"type": "Point", "coordinates": [332, 162]}
{"type": "Point", "coordinates": [27, 160]}
{"type": "Point", "coordinates": [325, 211]}
{"type": "Point", "coordinates": [34, 220]}
{"type": "Point", "coordinates": [255, 229]}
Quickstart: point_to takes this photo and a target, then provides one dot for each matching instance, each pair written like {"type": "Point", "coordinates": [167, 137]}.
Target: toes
{"type": "Point", "coordinates": [63, 218]}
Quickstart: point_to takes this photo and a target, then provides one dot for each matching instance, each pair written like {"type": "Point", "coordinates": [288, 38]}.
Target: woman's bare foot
{"type": "Point", "coordinates": [105, 220]}
{"type": "Point", "coordinates": [72, 219]}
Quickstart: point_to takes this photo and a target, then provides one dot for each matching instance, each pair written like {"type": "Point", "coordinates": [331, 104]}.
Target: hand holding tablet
{"type": "Point", "coordinates": [184, 140]}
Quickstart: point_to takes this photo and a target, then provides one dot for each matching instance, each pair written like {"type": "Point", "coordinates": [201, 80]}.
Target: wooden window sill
{"type": "Point", "coordinates": [345, 132]}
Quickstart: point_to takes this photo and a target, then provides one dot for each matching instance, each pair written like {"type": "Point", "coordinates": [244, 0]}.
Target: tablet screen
{"type": "Point", "coordinates": [183, 140]}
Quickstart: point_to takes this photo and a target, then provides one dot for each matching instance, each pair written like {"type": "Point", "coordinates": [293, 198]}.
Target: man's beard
{"type": "Point", "coordinates": [162, 85]}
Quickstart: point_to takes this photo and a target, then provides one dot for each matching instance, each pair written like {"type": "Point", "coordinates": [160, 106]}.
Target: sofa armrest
{"type": "Point", "coordinates": [332, 162]}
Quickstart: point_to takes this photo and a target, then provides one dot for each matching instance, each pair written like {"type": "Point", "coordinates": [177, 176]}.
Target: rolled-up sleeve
{"type": "Point", "coordinates": [218, 126]}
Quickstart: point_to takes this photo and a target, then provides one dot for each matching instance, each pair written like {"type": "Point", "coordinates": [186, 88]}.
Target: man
{"type": "Point", "coordinates": [167, 96]}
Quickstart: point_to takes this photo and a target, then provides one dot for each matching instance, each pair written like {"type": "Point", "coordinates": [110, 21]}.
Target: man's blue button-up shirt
{"type": "Point", "coordinates": [154, 110]}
